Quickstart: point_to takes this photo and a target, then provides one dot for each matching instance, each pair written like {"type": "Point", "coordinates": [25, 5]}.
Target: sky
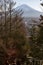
{"type": "Point", "coordinates": [35, 4]}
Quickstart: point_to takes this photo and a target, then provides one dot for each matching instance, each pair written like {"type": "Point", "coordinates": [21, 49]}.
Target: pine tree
{"type": "Point", "coordinates": [17, 39]}
{"type": "Point", "coordinates": [37, 45]}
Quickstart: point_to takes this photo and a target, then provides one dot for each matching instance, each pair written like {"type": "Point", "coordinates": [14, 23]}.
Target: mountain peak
{"type": "Point", "coordinates": [24, 5]}
{"type": "Point", "coordinates": [28, 11]}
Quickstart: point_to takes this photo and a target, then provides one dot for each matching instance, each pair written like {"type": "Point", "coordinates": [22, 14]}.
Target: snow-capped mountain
{"type": "Point", "coordinates": [28, 11]}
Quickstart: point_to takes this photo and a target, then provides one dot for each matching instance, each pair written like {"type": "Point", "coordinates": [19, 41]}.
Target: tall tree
{"type": "Point", "coordinates": [36, 41]}
{"type": "Point", "coordinates": [17, 39]}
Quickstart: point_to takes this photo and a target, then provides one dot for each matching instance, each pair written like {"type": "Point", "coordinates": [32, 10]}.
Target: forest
{"type": "Point", "coordinates": [19, 45]}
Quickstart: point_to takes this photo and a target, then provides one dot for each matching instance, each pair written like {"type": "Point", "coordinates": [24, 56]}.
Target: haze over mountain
{"type": "Point", "coordinates": [28, 11]}
{"type": "Point", "coordinates": [31, 16]}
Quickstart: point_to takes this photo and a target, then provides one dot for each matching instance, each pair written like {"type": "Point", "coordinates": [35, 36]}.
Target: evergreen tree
{"type": "Point", "coordinates": [16, 41]}
{"type": "Point", "coordinates": [37, 45]}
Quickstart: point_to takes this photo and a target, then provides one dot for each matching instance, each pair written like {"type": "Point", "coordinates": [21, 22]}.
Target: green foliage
{"type": "Point", "coordinates": [13, 35]}
{"type": "Point", "coordinates": [36, 43]}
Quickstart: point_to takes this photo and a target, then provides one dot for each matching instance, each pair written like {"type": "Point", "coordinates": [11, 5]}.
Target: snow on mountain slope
{"type": "Point", "coordinates": [28, 11]}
